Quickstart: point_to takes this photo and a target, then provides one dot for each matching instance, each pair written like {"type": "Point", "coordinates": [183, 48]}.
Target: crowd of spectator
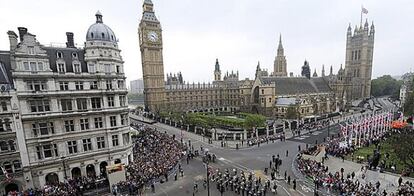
{"type": "Point", "coordinates": [156, 154]}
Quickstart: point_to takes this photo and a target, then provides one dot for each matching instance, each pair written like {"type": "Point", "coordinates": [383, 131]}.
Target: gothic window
{"type": "Point", "coordinates": [103, 35]}
{"type": "Point", "coordinates": [59, 55]}
{"type": "Point", "coordinates": [359, 54]}
{"type": "Point", "coordinates": [92, 35]}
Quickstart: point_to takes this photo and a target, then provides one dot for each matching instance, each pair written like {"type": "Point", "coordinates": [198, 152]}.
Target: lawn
{"type": "Point", "coordinates": [384, 148]}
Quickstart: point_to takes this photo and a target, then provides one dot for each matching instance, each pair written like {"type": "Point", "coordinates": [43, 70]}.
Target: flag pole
{"type": "Point", "coordinates": [361, 15]}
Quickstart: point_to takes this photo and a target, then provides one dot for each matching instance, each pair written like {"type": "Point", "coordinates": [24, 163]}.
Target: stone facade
{"type": "Point", "coordinates": [228, 94]}
{"type": "Point", "coordinates": [150, 40]}
{"type": "Point", "coordinates": [72, 106]}
{"type": "Point", "coordinates": [358, 61]}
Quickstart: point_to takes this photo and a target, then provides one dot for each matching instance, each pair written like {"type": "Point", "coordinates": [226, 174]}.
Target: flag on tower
{"type": "Point", "coordinates": [364, 10]}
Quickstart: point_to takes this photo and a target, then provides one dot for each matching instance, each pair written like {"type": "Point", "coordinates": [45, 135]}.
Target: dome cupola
{"type": "Point", "coordinates": [99, 31]}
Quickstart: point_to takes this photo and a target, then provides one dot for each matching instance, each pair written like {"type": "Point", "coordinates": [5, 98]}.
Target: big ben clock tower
{"type": "Point", "coordinates": [150, 42]}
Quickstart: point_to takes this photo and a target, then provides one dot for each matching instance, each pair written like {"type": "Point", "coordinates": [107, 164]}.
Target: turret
{"type": "Point", "coordinates": [366, 26]}
{"type": "Point", "coordinates": [315, 74]}
{"type": "Point", "coordinates": [331, 71]}
{"type": "Point", "coordinates": [217, 72]}
{"type": "Point", "coordinates": [323, 70]}
{"type": "Point", "coordinates": [372, 31]}
{"type": "Point", "coordinates": [280, 49]}
{"type": "Point", "coordinates": [349, 32]}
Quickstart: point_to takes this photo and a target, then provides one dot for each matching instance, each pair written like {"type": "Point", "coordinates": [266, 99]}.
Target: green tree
{"type": "Point", "coordinates": [254, 120]}
{"type": "Point", "coordinates": [385, 85]}
{"type": "Point", "coordinates": [291, 112]}
{"type": "Point", "coordinates": [403, 147]}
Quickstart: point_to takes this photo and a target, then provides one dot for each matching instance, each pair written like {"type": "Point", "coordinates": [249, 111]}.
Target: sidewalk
{"type": "Point", "coordinates": [216, 143]}
{"type": "Point", "coordinates": [388, 181]}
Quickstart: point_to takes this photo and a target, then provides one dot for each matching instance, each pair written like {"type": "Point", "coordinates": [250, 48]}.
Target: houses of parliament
{"type": "Point", "coordinates": [270, 94]}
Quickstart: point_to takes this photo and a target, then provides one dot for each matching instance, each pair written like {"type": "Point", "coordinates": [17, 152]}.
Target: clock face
{"type": "Point", "coordinates": [152, 36]}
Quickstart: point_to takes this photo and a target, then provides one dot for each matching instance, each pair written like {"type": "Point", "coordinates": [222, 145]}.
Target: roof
{"type": "Point", "coordinates": [286, 101]}
{"type": "Point", "coordinates": [297, 85]}
{"type": "Point", "coordinates": [5, 68]}
{"type": "Point", "coordinates": [67, 58]}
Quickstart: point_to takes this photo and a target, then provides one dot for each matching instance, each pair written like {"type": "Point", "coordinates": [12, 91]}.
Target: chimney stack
{"type": "Point", "coordinates": [12, 40]}
{"type": "Point", "coordinates": [22, 32]}
{"type": "Point", "coordinates": [70, 43]}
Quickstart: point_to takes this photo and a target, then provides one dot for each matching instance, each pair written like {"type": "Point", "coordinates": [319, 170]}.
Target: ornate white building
{"type": "Point", "coordinates": [73, 106]}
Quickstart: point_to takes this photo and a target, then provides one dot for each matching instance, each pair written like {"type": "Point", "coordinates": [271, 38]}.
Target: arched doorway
{"type": "Point", "coordinates": [117, 161]}
{"type": "Point", "coordinates": [76, 172]}
{"type": "Point", "coordinates": [52, 178]}
{"type": "Point", "coordinates": [102, 168]}
{"type": "Point", "coordinates": [11, 187]}
{"type": "Point", "coordinates": [90, 170]}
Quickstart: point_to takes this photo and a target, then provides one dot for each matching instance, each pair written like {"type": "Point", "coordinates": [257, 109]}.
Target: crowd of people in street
{"type": "Point", "coordinates": [70, 187]}
{"type": "Point", "coordinates": [240, 182]}
{"type": "Point", "coordinates": [346, 183]}
{"type": "Point", "coordinates": [156, 155]}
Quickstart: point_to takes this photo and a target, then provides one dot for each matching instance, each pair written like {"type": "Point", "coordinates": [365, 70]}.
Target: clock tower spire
{"type": "Point", "coordinates": [150, 41]}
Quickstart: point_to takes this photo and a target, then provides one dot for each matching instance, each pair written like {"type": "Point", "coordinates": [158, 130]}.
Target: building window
{"type": "Point", "coordinates": [5, 125]}
{"type": "Point", "coordinates": [4, 106]}
{"type": "Point", "coordinates": [122, 100]}
{"type": "Point", "coordinates": [112, 120]}
{"type": "Point", "coordinates": [100, 141]}
{"type": "Point", "coordinates": [124, 119]}
{"type": "Point", "coordinates": [17, 164]}
{"type": "Point", "coordinates": [82, 104]}
{"type": "Point", "coordinates": [40, 66]}
{"type": "Point", "coordinates": [118, 69]}
{"type": "Point", "coordinates": [115, 141]}
{"type": "Point", "coordinates": [96, 103]}
{"type": "Point", "coordinates": [262, 91]}
{"type": "Point", "coordinates": [84, 124]}
{"type": "Point", "coordinates": [59, 55]}
{"type": "Point", "coordinates": [36, 85]}
{"type": "Point", "coordinates": [125, 138]}
{"type": "Point", "coordinates": [75, 55]}
{"type": "Point", "coordinates": [72, 147]}
{"type": "Point", "coordinates": [107, 68]}
{"type": "Point", "coordinates": [94, 85]}
{"type": "Point", "coordinates": [69, 125]}
{"type": "Point", "coordinates": [111, 102]}
{"type": "Point", "coordinates": [98, 122]}
{"type": "Point", "coordinates": [33, 66]}
{"type": "Point", "coordinates": [87, 145]}
{"type": "Point", "coordinates": [26, 66]}
{"type": "Point", "coordinates": [66, 104]}
{"type": "Point", "coordinates": [43, 128]}
{"type": "Point", "coordinates": [109, 84]}
{"type": "Point", "coordinates": [79, 85]}
{"type": "Point", "coordinates": [61, 68]}
{"type": "Point", "coordinates": [39, 105]}
{"type": "Point", "coordinates": [121, 84]}
{"type": "Point", "coordinates": [64, 86]}
{"type": "Point", "coordinates": [77, 68]}
{"type": "Point", "coordinates": [46, 151]}
{"type": "Point", "coordinates": [4, 146]}
{"type": "Point", "coordinates": [31, 50]}
{"type": "Point", "coordinates": [92, 68]}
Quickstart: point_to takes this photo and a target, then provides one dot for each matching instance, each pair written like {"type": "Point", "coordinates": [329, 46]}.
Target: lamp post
{"type": "Point", "coordinates": [64, 167]}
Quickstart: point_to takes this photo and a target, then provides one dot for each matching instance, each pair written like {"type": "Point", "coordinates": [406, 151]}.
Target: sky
{"type": "Point", "coordinates": [240, 33]}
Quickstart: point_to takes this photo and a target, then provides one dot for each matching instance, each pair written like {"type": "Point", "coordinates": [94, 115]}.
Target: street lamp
{"type": "Point", "coordinates": [64, 167]}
